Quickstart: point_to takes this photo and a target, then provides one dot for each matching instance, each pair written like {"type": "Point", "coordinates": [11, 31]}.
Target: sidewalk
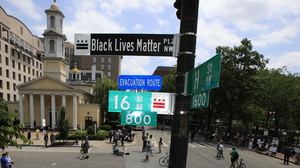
{"type": "Point", "coordinates": [93, 143]}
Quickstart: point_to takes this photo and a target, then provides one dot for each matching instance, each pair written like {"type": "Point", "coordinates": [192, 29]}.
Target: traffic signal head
{"type": "Point", "coordinates": [271, 116]}
{"type": "Point", "coordinates": [177, 5]}
{"type": "Point", "coordinates": [274, 116]}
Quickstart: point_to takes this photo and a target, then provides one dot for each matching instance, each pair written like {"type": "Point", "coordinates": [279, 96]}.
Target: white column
{"type": "Point", "coordinates": [31, 110]}
{"type": "Point", "coordinates": [21, 110]}
{"type": "Point", "coordinates": [74, 112]}
{"type": "Point", "coordinates": [63, 100]}
{"type": "Point", "coordinates": [42, 100]}
{"type": "Point", "coordinates": [53, 110]}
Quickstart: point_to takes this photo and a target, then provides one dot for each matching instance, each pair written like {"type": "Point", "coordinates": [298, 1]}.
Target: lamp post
{"type": "Point", "coordinates": [216, 133]}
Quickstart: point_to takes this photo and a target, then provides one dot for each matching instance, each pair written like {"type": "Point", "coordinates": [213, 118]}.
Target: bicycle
{"type": "Point", "coordinates": [164, 161]}
{"type": "Point", "coordinates": [240, 164]}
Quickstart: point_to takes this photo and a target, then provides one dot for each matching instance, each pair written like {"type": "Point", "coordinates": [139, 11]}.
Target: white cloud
{"type": "Point", "coordinates": [137, 27]}
{"type": "Point", "coordinates": [26, 7]}
{"type": "Point", "coordinates": [291, 60]}
{"type": "Point", "coordinates": [132, 65]}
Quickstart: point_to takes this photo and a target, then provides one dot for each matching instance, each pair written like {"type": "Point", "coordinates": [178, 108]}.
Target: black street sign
{"type": "Point", "coordinates": [124, 44]}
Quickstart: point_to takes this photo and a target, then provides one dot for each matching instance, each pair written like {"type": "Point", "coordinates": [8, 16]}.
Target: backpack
{"type": "Point", "coordinates": [236, 155]}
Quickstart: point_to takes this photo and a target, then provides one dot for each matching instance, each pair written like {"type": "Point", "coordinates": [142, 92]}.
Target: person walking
{"type": "Point", "coordinates": [111, 135]}
{"type": "Point", "coordinates": [220, 148]}
{"type": "Point", "coordinates": [29, 135]}
{"type": "Point", "coordinates": [86, 147]}
{"type": "Point", "coordinates": [234, 155]}
{"type": "Point", "coordinates": [287, 153]}
{"type": "Point", "coordinates": [46, 138]}
{"type": "Point", "coordinates": [193, 135]}
{"type": "Point", "coordinates": [144, 139]}
{"type": "Point", "coordinates": [52, 139]}
{"type": "Point", "coordinates": [148, 149]}
{"type": "Point", "coordinates": [160, 143]}
{"type": "Point", "coordinates": [37, 134]}
{"type": "Point", "coordinates": [116, 137]}
{"type": "Point", "coordinates": [10, 161]}
{"type": "Point", "coordinates": [162, 127]}
{"type": "Point", "coordinates": [4, 161]}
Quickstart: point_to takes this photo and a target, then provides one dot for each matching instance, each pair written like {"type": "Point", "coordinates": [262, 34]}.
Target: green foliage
{"type": "Point", "coordinates": [91, 130]}
{"type": "Point", "coordinates": [8, 128]}
{"type": "Point", "coordinates": [169, 81]}
{"type": "Point", "coordinates": [100, 135]}
{"type": "Point", "coordinates": [63, 126]}
{"type": "Point", "coordinates": [105, 127]}
{"type": "Point", "coordinates": [103, 134]}
{"type": "Point", "coordinates": [101, 89]}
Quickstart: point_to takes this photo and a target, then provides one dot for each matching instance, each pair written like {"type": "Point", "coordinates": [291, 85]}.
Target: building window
{"type": "Point", "coordinates": [102, 60]}
{"type": "Point", "coordinates": [12, 52]}
{"type": "Point", "coordinates": [15, 97]}
{"type": "Point", "coordinates": [0, 71]}
{"type": "Point", "coordinates": [28, 70]}
{"type": "Point", "coordinates": [52, 20]}
{"type": "Point", "coordinates": [7, 85]}
{"type": "Point", "coordinates": [94, 59]}
{"type": "Point", "coordinates": [7, 73]}
{"type": "Point", "coordinates": [19, 66]}
{"type": "Point", "coordinates": [109, 67]}
{"type": "Point", "coordinates": [37, 64]}
{"type": "Point", "coordinates": [29, 61]}
{"type": "Point", "coordinates": [1, 84]}
{"type": "Point", "coordinates": [37, 74]}
{"type": "Point", "coordinates": [109, 60]}
{"type": "Point", "coordinates": [33, 72]}
{"type": "Point", "coordinates": [6, 48]}
{"type": "Point", "coordinates": [14, 86]}
{"type": "Point", "coordinates": [24, 68]}
{"type": "Point", "coordinates": [24, 59]}
{"type": "Point", "coordinates": [13, 63]}
{"type": "Point", "coordinates": [24, 78]}
{"type": "Point", "coordinates": [21, 30]}
{"type": "Point", "coordinates": [19, 77]}
{"type": "Point", "coordinates": [14, 75]}
{"type": "Point", "coordinates": [32, 62]}
{"type": "Point", "coordinates": [41, 74]}
{"type": "Point", "coordinates": [6, 61]}
{"type": "Point", "coordinates": [102, 67]}
{"type": "Point", "coordinates": [8, 97]}
{"type": "Point", "coordinates": [40, 66]}
{"type": "Point", "coordinates": [51, 45]}
{"type": "Point", "coordinates": [19, 55]}
{"type": "Point", "coordinates": [29, 79]}
{"type": "Point", "coordinates": [1, 95]}
{"type": "Point", "coordinates": [109, 74]}
{"type": "Point", "coordinates": [0, 58]}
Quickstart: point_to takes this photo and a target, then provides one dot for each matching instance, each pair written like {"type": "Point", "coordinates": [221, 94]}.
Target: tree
{"type": "Point", "coordinates": [101, 89]}
{"type": "Point", "coordinates": [7, 128]}
{"type": "Point", "coordinates": [239, 65]}
{"type": "Point", "coordinates": [169, 81]}
{"type": "Point", "coordinates": [63, 126]}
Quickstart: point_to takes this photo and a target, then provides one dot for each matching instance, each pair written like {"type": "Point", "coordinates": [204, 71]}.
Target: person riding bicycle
{"type": "Point", "coordinates": [234, 156]}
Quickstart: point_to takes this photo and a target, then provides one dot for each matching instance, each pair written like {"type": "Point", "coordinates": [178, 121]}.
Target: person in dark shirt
{"type": "Point", "coordinates": [287, 153]}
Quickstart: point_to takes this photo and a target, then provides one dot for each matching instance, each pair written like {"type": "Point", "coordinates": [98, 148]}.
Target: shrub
{"type": "Point", "coordinates": [105, 127]}
{"type": "Point", "coordinates": [91, 130]}
{"type": "Point", "coordinates": [102, 134]}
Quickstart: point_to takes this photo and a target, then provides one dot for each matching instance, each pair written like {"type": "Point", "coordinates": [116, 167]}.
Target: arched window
{"type": "Point", "coordinates": [51, 45]}
{"type": "Point", "coordinates": [52, 19]}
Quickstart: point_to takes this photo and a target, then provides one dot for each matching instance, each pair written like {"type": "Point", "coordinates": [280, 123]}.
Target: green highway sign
{"type": "Point", "coordinates": [138, 118]}
{"type": "Point", "coordinates": [205, 76]}
{"type": "Point", "coordinates": [159, 102]}
{"type": "Point", "coordinates": [200, 100]}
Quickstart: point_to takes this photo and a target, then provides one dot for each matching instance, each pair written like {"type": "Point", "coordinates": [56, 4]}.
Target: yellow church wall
{"type": "Point", "coordinates": [92, 110]}
{"type": "Point", "coordinates": [46, 84]}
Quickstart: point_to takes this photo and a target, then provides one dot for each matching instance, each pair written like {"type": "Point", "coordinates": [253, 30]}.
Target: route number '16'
{"type": "Point", "coordinates": [125, 105]}
{"type": "Point", "coordinates": [138, 119]}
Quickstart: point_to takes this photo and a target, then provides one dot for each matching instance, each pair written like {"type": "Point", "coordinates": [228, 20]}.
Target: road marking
{"type": "Point", "coordinates": [53, 164]}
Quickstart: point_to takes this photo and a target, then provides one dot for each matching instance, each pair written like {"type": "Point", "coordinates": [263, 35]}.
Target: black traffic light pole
{"type": "Point", "coordinates": [188, 15]}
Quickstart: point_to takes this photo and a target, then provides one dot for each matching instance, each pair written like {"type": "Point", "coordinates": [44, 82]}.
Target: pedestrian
{"type": "Point", "coordinates": [143, 130]}
{"type": "Point", "coordinates": [144, 139]}
{"type": "Point", "coordinates": [116, 137]}
{"type": "Point", "coordinates": [148, 148]}
{"type": "Point", "coordinates": [193, 135]}
{"type": "Point", "coordinates": [10, 161]}
{"type": "Point", "coordinates": [34, 123]}
{"type": "Point", "coordinates": [234, 155]}
{"type": "Point", "coordinates": [162, 127]}
{"type": "Point", "coordinates": [157, 127]}
{"type": "Point", "coordinates": [4, 161]}
{"type": "Point", "coordinates": [287, 153]}
{"type": "Point", "coordinates": [29, 134]}
{"type": "Point", "coordinates": [46, 138]}
{"type": "Point", "coordinates": [37, 134]}
{"type": "Point", "coordinates": [86, 147]}
{"type": "Point", "coordinates": [52, 139]}
{"type": "Point", "coordinates": [122, 139]}
{"type": "Point", "coordinates": [250, 143]}
{"type": "Point", "coordinates": [82, 147]}
{"type": "Point", "coordinates": [111, 134]}
{"type": "Point", "coordinates": [273, 150]}
{"type": "Point", "coordinates": [220, 148]}
{"type": "Point", "coordinates": [160, 143]}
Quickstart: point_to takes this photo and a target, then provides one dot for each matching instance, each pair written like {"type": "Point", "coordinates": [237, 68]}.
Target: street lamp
{"type": "Point", "coordinates": [216, 133]}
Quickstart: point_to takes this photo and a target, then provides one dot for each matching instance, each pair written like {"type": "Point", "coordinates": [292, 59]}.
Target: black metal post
{"type": "Point", "coordinates": [185, 63]}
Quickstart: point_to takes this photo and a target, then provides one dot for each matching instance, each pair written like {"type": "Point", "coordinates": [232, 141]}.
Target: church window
{"type": "Point", "coordinates": [51, 45]}
{"type": "Point", "coordinates": [52, 19]}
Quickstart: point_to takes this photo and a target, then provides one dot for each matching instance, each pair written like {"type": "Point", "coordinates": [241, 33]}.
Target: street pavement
{"type": "Point", "coordinates": [101, 153]}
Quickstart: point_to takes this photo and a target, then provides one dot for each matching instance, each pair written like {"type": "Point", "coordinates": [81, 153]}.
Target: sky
{"type": "Point", "coordinates": [273, 26]}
